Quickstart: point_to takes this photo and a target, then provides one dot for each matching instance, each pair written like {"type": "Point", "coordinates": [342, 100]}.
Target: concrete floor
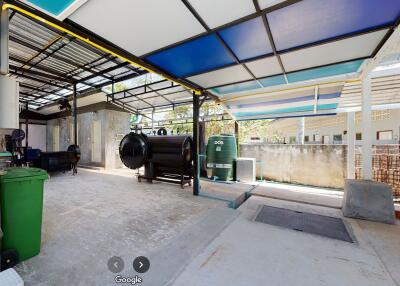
{"type": "Point", "coordinates": [95, 215]}
{"type": "Point", "coordinates": [252, 253]}
{"type": "Point", "coordinates": [199, 240]}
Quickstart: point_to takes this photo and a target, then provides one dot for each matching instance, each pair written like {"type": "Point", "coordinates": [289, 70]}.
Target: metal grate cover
{"type": "Point", "coordinates": [307, 222]}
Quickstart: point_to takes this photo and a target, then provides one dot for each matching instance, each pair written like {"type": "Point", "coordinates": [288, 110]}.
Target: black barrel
{"type": "Point", "coordinates": [134, 150]}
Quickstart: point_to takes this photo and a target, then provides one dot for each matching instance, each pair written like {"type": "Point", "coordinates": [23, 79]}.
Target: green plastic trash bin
{"type": "Point", "coordinates": [21, 205]}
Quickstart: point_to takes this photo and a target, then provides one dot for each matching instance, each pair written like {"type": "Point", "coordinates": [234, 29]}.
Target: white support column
{"type": "Point", "coordinates": [3, 40]}
{"type": "Point", "coordinates": [351, 140]}
{"type": "Point", "coordinates": [300, 131]}
{"type": "Point", "coordinates": [366, 128]}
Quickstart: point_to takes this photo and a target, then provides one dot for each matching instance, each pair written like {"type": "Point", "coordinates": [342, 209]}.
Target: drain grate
{"type": "Point", "coordinates": [307, 222]}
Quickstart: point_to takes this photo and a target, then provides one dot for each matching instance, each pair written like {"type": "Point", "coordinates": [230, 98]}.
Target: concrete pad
{"type": "Point", "coordinates": [10, 277]}
{"type": "Point", "coordinates": [250, 253]}
{"type": "Point", "coordinates": [385, 241]}
{"type": "Point", "coordinates": [301, 194]}
{"type": "Point", "coordinates": [95, 215]}
{"type": "Point", "coordinates": [169, 260]}
{"type": "Point", "coordinates": [233, 194]}
{"type": "Point", "coordinates": [368, 200]}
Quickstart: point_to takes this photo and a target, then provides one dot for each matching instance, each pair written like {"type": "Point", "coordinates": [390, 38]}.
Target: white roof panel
{"type": "Point", "coordinates": [221, 76]}
{"type": "Point", "coordinates": [268, 3]}
{"type": "Point", "coordinates": [139, 26]}
{"type": "Point", "coordinates": [338, 51]}
{"type": "Point", "coordinates": [265, 67]}
{"type": "Point", "coordinates": [219, 12]}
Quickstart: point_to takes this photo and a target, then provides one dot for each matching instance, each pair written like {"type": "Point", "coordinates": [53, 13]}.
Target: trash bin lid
{"type": "Point", "coordinates": [22, 174]}
{"type": "Point", "coordinates": [5, 154]}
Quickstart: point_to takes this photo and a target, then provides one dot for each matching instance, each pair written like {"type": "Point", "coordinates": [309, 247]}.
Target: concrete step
{"type": "Point", "coordinates": [301, 194]}
{"type": "Point", "coordinates": [234, 194]}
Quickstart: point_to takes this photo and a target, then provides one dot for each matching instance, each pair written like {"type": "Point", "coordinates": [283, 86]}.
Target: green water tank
{"type": "Point", "coordinates": [221, 155]}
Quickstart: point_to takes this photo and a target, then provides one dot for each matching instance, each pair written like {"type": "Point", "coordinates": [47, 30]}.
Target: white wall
{"type": "Point", "coordinates": [37, 136]}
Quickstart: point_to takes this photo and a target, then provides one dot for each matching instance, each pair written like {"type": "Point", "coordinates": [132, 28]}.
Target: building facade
{"type": "Point", "coordinates": [333, 129]}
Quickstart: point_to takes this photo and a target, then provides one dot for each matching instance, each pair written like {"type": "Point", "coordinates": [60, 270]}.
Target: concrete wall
{"type": "Point", "coordinates": [4, 132]}
{"type": "Point", "coordinates": [116, 127]}
{"type": "Point", "coordinates": [316, 165]}
{"type": "Point", "coordinates": [114, 124]}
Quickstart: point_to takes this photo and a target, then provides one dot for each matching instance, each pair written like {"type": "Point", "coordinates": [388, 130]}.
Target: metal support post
{"type": "Point", "coordinates": [26, 129]}
{"type": "Point", "coordinates": [196, 167]}
{"type": "Point", "coordinates": [237, 136]}
{"type": "Point", "coordinates": [75, 115]}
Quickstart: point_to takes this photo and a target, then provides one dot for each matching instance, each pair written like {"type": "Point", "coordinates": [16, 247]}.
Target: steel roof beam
{"type": "Point", "coordinates": [271, 39]}
{"type": "Point", "coordinates": [45, 82]}
{"type": "Point", "coordinates": [15, 70]}
{"type": "Point", "coordinates": [28, 62]}
{"type": "Point", "coordinates": [50, 71]}
{"type": "Point", "coordinates": [60, 58]}
{"type": "Point", "coordinates": [146, 85]}
{"type": "Point", "coordinates": [141, 99]}
{"type": "Point", "coordinates": [146, 92]}
{"type": "Point", "coordinates": [102, 72]}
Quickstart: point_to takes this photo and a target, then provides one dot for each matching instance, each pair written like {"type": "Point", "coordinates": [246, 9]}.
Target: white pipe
{"type": "Point", "coordinates": [351, 139]}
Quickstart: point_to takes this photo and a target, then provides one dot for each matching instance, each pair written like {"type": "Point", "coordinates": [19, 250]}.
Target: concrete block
{"type": "Point", "coordinates": [245, 169]}
{"type": "Point", "coordinates": [10, 277]}
{"type": "Point", "coordinates": [368, 200]}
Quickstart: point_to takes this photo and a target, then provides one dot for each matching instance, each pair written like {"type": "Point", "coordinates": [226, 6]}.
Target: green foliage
{"type": "Point", "coordinates": [183, 113]}
{"type": "Point", "coordinates": [119, 86]}
{"type": "Point", "coordinates": [253, 128]}
{"type": "Point", "coordinates": [213, 112]}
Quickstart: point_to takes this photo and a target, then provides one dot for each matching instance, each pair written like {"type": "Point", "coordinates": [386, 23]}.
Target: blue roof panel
{"type": "Point", "coordinates": [331, 70]}
{"type": "Point", "coordinates": [312, 21]}
{"type": "Point", "coordinates": [287, 110]}
{"type": "Point", "coordinates": [272, 80]}
{"type": "Point", "coordinates": [55, 7]}
{"type": "Point", "coordinates": [197, 56]}
{"type": "Point", "coordinates": [238, 87]}
{"type": "Point", "coordinates": [248, 39]}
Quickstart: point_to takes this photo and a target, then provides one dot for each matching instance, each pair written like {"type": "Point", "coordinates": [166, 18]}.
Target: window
{"type": "Point", "coordinates": [316, 138]}
{"type": "Point", "coordinates": [325, 139]}
{"type": "Point", "coordinates": [384, 135]}
{"type": "Point", "coordinates": [337, 139]}
{"type": "Point", "coordinates": [306, 138]}
{"type": "Point", "coordinates": [358, 136]}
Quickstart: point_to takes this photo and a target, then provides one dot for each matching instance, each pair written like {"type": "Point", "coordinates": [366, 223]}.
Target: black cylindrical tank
{"type": "Point", "coordinates": [170, 152]}
{"type": "Point", "coordinates": [76, 150]}
{"type": "Point", "coordinates": [134, 150]}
